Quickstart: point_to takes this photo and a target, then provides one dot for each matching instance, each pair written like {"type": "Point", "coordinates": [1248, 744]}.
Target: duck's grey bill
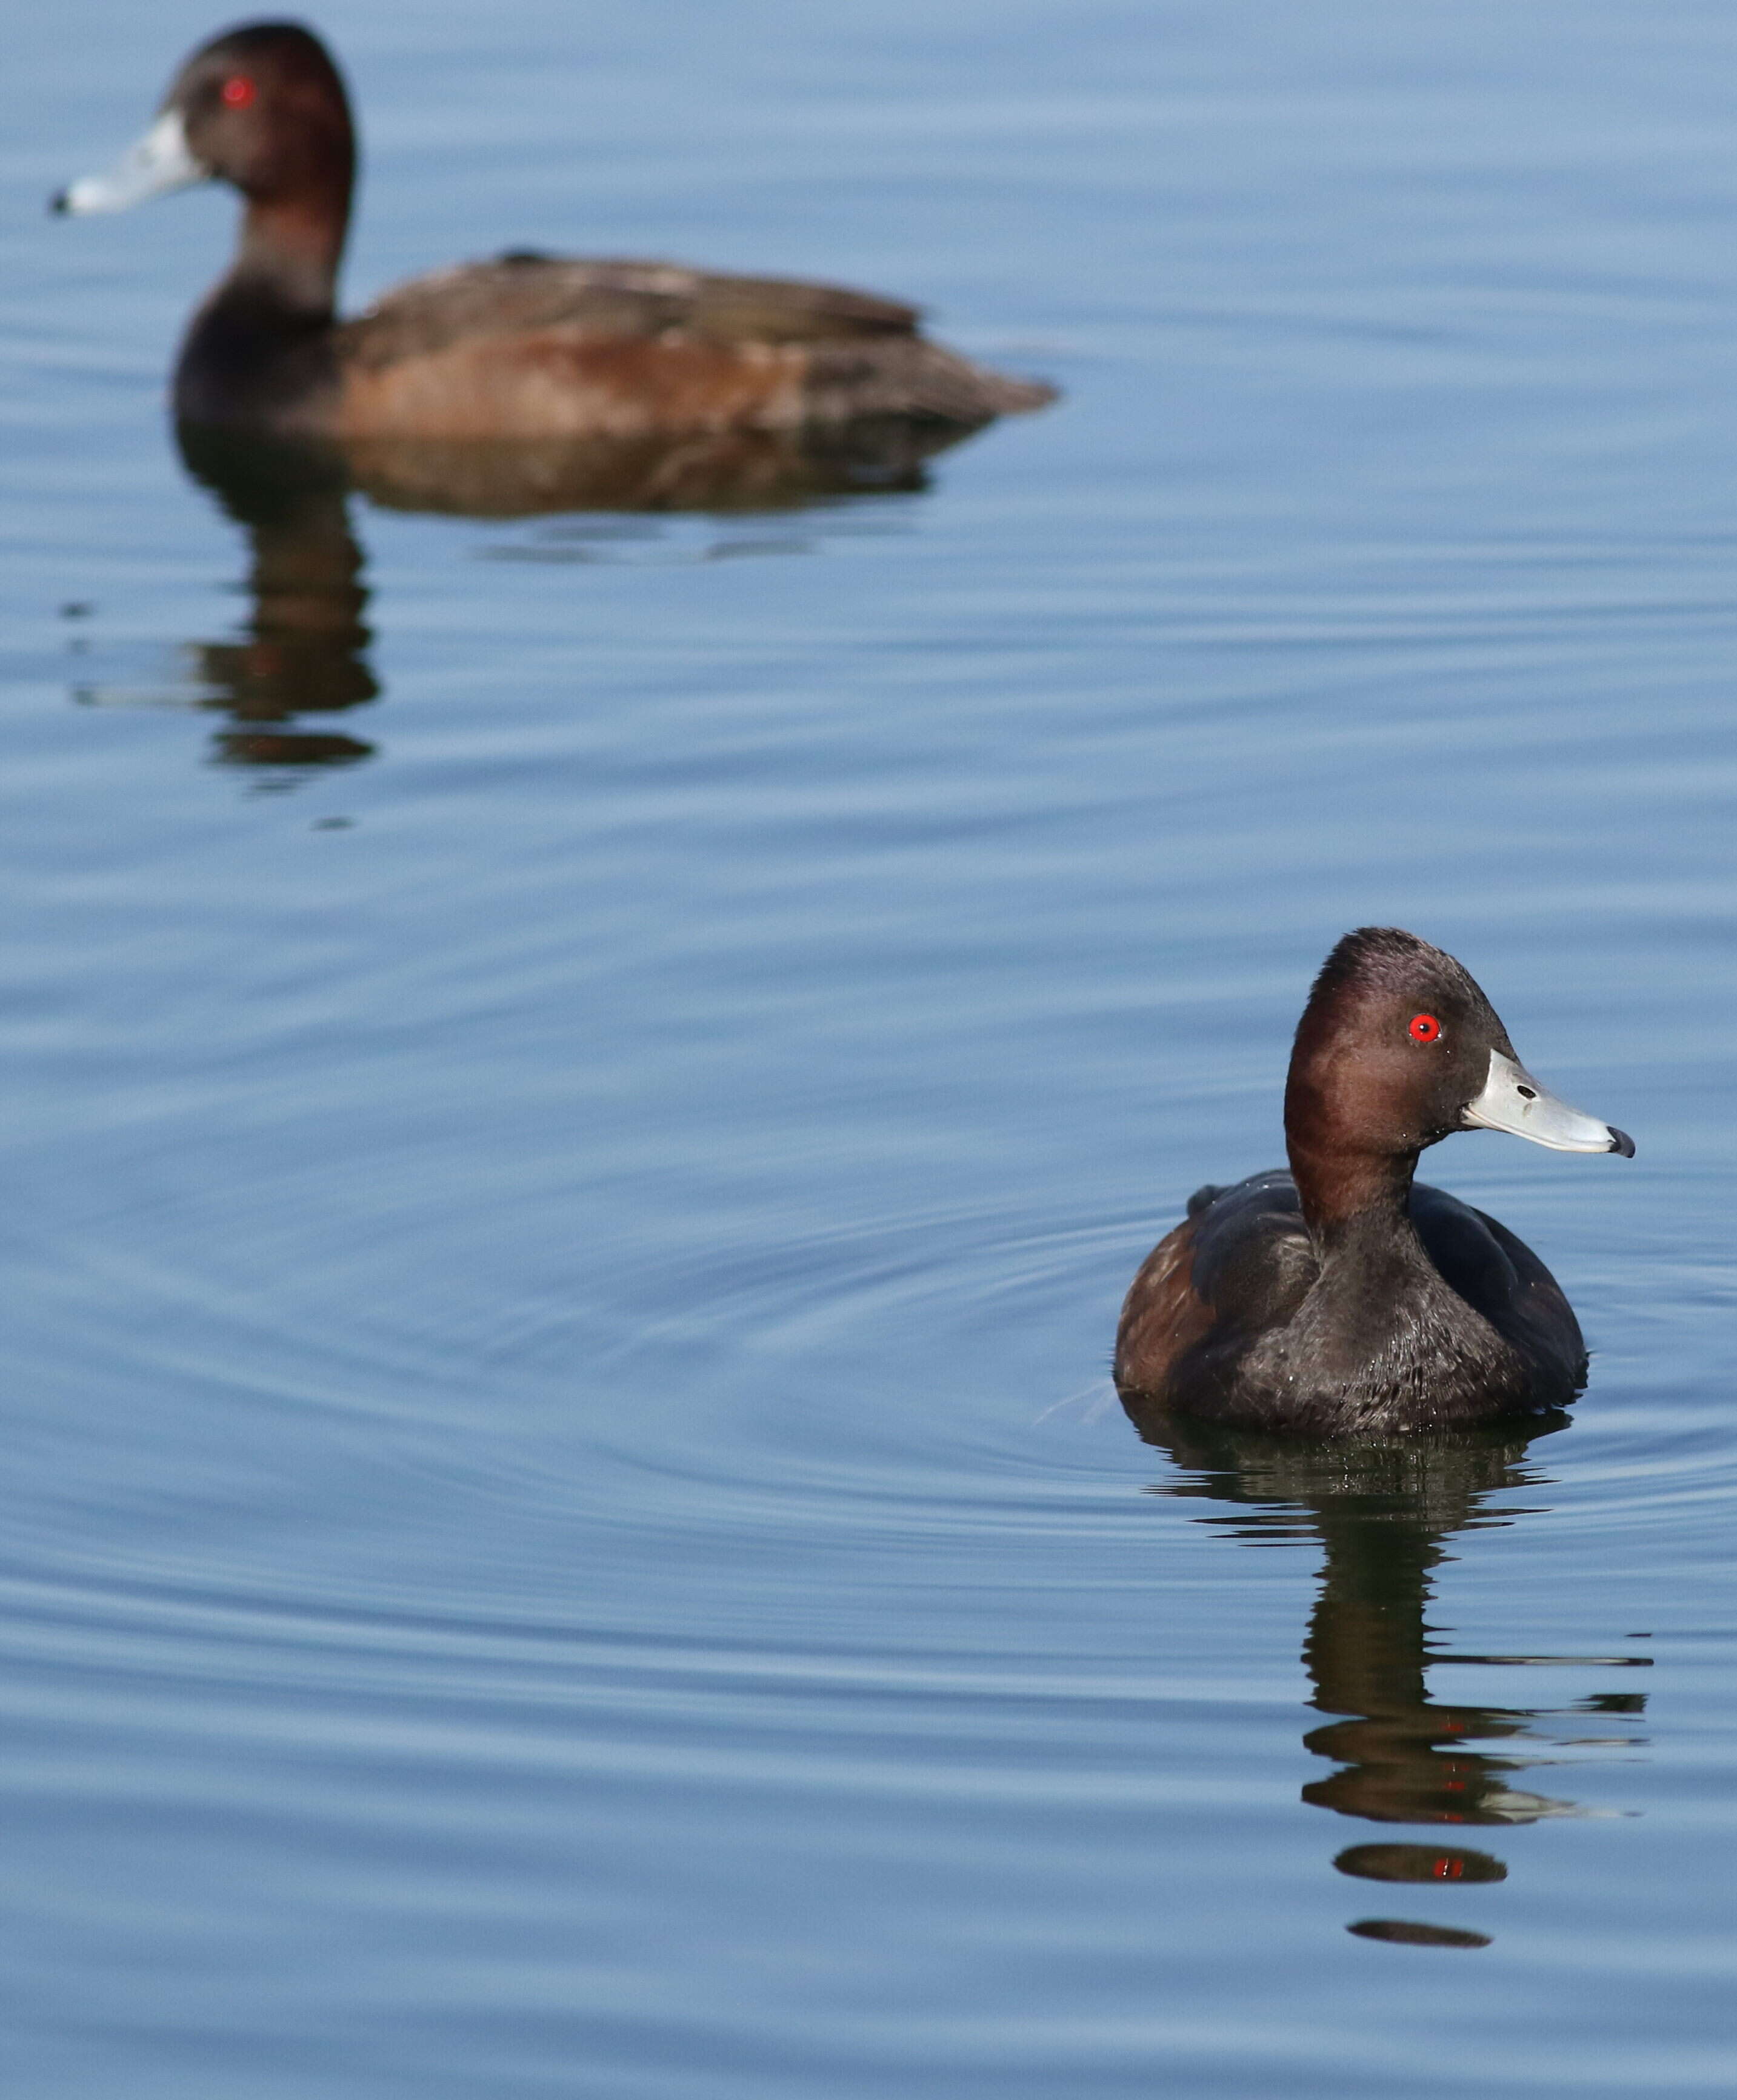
{"type": "Point", "coordinates": [158, 162]}
{"type": "Point", "coordinates": [1512, 1099]}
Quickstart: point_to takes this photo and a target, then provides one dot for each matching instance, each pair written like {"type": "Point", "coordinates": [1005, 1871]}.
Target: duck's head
{"type": "Point", "coordinates": [261, 107]}
{"type": "Point", "coordinates": [1398, 1047]}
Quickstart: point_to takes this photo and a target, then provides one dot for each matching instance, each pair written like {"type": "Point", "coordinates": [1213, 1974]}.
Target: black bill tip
{"type": "Point", "coordinates": [1620, 1141]}
{"type": "Point", "coordinates": [59, 202]}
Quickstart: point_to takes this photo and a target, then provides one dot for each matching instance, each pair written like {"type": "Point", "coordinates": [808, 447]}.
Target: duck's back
{"type": "Point", "coordinates": [537, 346]}
{"type": "Point", "coordinates": [523, 291]}
{"type": "Point", "coordinates": [1239, 1268]}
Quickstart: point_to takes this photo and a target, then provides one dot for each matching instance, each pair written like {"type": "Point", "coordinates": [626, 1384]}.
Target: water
{"type": "Point", "coordinates": [581, 1092]}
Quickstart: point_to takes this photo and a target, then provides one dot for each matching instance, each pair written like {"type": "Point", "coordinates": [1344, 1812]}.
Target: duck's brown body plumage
{"type": "Point", "coordinates": [1459, 1321]}
{"type": "Point", "coordinates": [524, 346]}
{"type": "Point", "coordinates": [535, 346]}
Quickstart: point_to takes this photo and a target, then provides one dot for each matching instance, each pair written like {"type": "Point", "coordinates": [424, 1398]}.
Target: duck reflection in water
{"type": "Point", "coordinates": [1384, 1510]}
{"type": "Point", "coordinates": [305, 648]}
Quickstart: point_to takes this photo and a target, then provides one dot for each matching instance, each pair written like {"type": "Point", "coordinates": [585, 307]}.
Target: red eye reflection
{"type": "Point", "coordinates": [1424, 1028]}
{"type": "Point", "coordinates": [238, 90]}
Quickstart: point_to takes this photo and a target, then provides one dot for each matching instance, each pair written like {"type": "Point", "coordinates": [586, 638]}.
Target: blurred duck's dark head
{"type": "Point", "coordinates": [262, 107]}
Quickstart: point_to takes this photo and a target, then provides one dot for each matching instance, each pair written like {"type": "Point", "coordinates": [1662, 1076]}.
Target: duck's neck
{"type": "Point", "coordinates": [1350, 1197]}
{"type": "Point", "coordinates": [289, 251]}
{"type": "Point", "coordinates": [269, 316]}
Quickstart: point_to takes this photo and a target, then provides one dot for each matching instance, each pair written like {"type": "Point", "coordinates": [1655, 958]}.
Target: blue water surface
{"type": "Point", "coordinates": [572, 1148]}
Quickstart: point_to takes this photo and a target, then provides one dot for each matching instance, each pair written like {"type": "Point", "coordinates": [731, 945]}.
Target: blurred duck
{"type": "Point", "coordinates": [1343, 1297]}
{"type": "Point", "coordinates": [527, 346]}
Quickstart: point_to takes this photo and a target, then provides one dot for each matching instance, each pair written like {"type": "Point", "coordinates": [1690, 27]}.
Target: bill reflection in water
{"type": "Point", "coordinates": [1384, 1510]}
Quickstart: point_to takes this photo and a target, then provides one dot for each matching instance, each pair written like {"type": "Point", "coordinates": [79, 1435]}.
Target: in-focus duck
{"type": "Point", "coordinates": [526, 346]}
{"type": "Point", "coordinates": [1343, 1296]}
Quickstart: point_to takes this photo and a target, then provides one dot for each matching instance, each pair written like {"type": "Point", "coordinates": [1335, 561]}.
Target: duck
{"type": "Point", "coordinates": [1345, 1298]}
{"type": "Point", "coordinates": [526, 345]}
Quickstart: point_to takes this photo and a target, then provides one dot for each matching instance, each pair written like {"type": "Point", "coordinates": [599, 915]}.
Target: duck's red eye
{"type": "Point", "coordinates": [1424, 1028]}
{"type": "Point", "coordinates": [238, 90]}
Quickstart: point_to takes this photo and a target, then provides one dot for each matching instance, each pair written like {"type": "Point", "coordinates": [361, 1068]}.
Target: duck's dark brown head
{"type": "Point", "coordinates": [264, 108]}
{"type": "Point", "coordinates": [261, 107]}
{"type": "Point", "coordinates": [1397, 1048]}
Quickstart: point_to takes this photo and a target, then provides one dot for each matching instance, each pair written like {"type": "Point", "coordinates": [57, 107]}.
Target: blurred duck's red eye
{"type": "Point", "coordinates": [1424, 1028]}
{"type": "Point", "coordinates": [238, 90]}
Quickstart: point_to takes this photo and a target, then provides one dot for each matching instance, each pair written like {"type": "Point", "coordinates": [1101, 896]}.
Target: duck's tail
{"type": "Point", "coordinates": [908, 376]}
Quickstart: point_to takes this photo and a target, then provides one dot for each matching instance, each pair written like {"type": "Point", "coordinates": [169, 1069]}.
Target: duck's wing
{"type": "Point", "coordinates": [523, 293]}
{"type": "Point", "coordinates": [1499, 1276]}
{"type": "Point", "coordinates": [1241, 1261]}
{"type": "Point", "coordinates": [537, 347]}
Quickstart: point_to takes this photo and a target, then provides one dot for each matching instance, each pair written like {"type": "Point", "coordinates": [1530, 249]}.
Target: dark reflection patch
{"type": "Point", "coordinates": [260, 747]}
{"type": "Point", "coordinates": [1406, 1932]}
{"type": "Point", "coordinates": [1419, 1863]}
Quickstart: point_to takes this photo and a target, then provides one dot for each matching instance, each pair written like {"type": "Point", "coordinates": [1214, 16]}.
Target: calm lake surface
{"type": "Point", "coordinates": [580, 1093]}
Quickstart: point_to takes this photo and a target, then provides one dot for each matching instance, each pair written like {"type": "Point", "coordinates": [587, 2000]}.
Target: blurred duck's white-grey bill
{"type": "Point", "coordinates": [1512, 1099]}
{"type": "Point", "coordinates": [158, 162]}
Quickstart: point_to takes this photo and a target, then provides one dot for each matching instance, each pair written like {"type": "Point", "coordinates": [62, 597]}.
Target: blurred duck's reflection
{"type": "Point", "coordinates": [305, 649]}
{"type": "Point", "coordinates": [723, 470]}
{"type": "Point", "coordinates": [1383, 1511]}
